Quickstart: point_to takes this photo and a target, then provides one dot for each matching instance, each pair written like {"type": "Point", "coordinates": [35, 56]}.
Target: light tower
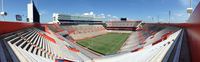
{"type": "Point", "coordinates": [158, 19]}
{"type": "Point", "coordinates": [190, 9]}
{"type": "Point", "coordinates": [2, 13]}
{"type": "Point", "coordinates": [169, 19]}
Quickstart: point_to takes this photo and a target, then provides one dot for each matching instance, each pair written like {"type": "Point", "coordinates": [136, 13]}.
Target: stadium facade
{"type": "Point", "coordinates": [122, 25]}
{"type": "Point", "coordinates": [76, 19]}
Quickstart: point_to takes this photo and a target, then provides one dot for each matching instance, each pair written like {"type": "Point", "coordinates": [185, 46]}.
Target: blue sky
{"type": "Point", "coordinates": [133, 9]}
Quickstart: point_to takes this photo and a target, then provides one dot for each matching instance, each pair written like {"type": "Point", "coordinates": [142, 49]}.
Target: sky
{"type": "Point", "coordinates": [146, 10]}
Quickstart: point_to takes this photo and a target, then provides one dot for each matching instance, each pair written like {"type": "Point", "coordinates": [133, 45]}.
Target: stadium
{"type": "Point", "coordinates": [85, 39]}
{"type": "Point", "coordinates": [48, 42]}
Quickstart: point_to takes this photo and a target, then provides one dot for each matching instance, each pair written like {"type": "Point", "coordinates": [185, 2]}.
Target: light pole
{"type": "Point", "coordinates": [153, 19]}
{"type": "Point", "coordinates": [190, 3]}
{"type": "Point", "coordinates": [2, 5]}
{"type": "Point", "coordinates": [2, 13]}
{"type": "Point", "coordinates": [158, 19]}
{"type": "Point", "coordinates": [190, 9]}
{"type": "Point", "coordinates": [31, 1]}
{"type": "Point", "coordinates": [169, 16]}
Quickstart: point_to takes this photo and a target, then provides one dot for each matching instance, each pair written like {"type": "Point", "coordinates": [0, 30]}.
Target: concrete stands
{"type": "Point", "coordinates": [122, 25]}
{"type": "Point", "coordinates": [78, 32]}
{"type": "Point", "coordinates": [28, 46]}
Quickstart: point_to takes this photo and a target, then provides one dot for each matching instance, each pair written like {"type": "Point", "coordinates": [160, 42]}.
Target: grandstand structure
{"type": "Point", "coordinates": [41, 42]}
{"type": "Point", "coordinates": [122, 25]}
{"type": "Point", "coordinates": [76, 19]}
{"type": "Point", "coordinates": [78, 32]}
{"type": "Point", "coordinates": [55, 42]}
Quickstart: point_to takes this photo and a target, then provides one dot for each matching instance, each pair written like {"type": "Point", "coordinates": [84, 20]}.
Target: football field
{"type": "Point", "coordinates": [105, 44]}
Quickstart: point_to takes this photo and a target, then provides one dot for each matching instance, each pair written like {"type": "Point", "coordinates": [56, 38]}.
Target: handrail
{"type": "Point", "coordinates": [179, 51]}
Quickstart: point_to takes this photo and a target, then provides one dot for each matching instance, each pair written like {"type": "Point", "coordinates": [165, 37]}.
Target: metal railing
{"type": "Point", "coordinates": [179, 51]}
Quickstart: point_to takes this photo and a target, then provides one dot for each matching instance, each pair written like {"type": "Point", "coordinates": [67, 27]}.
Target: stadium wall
{"type": "Point", "coordinates": [193, 31]}
{"type": "Point", "coordinates": [7, 27]}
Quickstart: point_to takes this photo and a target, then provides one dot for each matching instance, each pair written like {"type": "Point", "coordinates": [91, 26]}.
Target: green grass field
{"type": "Point", "coordinates": [105, 44]}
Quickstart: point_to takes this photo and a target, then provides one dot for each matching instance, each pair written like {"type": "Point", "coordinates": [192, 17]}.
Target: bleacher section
{"type": "Point", "coordinates": [151, 53]}
{"type": "Point", "coordinates": [150, 35]}
{"type": "Point", "coordinates": [79, 32]}
{"type": "Point", "coordinates": [28, 46]}
{"type": "Point", "coordinates": [55, 28]}
{"type": "Point", "coordinates": [51, 42]}
{"type": "Point", "coordinates": [122, 25]}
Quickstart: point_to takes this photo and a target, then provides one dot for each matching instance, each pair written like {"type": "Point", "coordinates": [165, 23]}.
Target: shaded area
{"type": "Point", "coordinates": [179, 52]}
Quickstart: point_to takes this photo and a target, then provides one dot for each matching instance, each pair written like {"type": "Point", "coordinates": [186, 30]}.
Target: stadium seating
{"type": "Point", "coordinates": [150, 35]}
{"type": "Point", "coordinates": [122, 25]}
{"type": "Point", "coordinates": [151, 53]}
{"type": "Point", "coordinates": [80, 32]}
{"type": "Point", "coordinates": [29, 44]}
{"type": "Point", "coordinates": [51, 43]}
{"type": "Point", "coordinates": [55, 28]}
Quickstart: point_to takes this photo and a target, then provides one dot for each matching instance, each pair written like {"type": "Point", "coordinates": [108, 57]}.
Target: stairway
{"type": "Point", "coordinates": [26, 44]}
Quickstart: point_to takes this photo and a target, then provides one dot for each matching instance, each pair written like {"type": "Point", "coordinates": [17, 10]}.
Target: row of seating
{"type": "Point", "coordinates": [158, 36]}
{"type": "Point", "coordinates": [143, 38]}
{"type": "Point", "coordinates": [132, 43]}
{"type": "Point", "coordinates": [29, 46]}
{"type": "Point", "coordinates": [150, 53]}
{"type": "Point", "coordinates": [135, 41]}
{"type": "Point", "coordinates": [122, 23]}
{"type": "Point", "coordinates": [28, 41]}
{"type": "Point", "coordinates": [158, 56]}
{"type": "Point", "coordinates": [55, 28]}
{"type": "Point", "coordinates": [85, 31]}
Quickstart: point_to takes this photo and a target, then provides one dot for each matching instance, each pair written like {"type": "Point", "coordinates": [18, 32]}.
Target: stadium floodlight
{"type": "Point", "coordinates": [2, 13]}
{"type": "Point", "coordinates": [190, 9]}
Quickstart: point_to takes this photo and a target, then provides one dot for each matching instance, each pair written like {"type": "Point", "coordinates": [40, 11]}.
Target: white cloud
{"type": "Point", "coordinates": [102, 15]}
{"type": "Point", "coordinates": [85, 13]}
{"type": "Point", "coordinates": [179, 15]}
{"type": "Point", "coordinates": [89, 13]}
{"type": "Point", "coordinates": [109, 15]}
{"type": "Point", "coordinates": [115, 17]}
{"type": "Point", "coordinates": [185, 2]}
{"type": "Point", "coordinates": [149, 17]}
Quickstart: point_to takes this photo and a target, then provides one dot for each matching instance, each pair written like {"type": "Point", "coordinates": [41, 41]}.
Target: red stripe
{"type": "Point", "coordinates": [47, 37]}
{"type": "Point", "coordinates": [7, 27]}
